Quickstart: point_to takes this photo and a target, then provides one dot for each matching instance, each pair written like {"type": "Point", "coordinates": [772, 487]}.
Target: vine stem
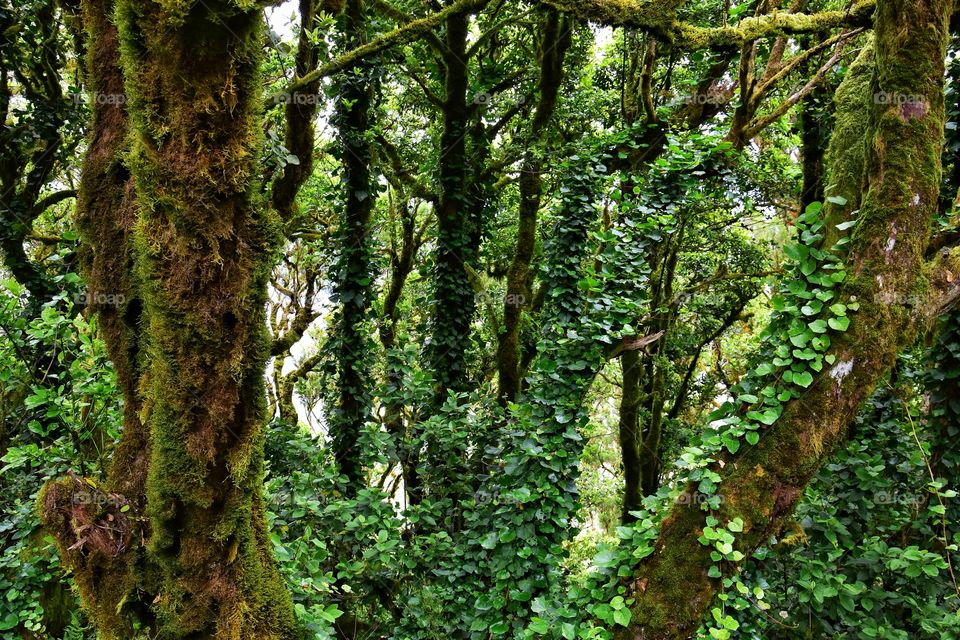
{"type": "Point", "coordinates": [933, 480]}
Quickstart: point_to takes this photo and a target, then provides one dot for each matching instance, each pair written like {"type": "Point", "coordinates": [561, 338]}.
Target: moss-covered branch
{"type": "Point", "coordinates": [777, 23]}
{"type": "Point", "coordinates": [649, 15]}
{"type": "Point", "coordinates": [660, 18]}
{"type": "Point", "coordinates": [401, 35]}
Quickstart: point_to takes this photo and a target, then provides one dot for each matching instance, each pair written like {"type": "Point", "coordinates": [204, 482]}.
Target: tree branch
{"type": "Point", "coordinates": [659, 18]}
{"type": "Point", "coordinates": [401, 35]}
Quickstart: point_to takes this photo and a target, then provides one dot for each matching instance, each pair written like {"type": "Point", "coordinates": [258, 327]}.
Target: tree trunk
{"type": "Point", "coordinates": [553, 49]}
{"type": "Point", "coordinates": [763, 483]}
{"type": "Point", "coordinates": [352, 336]}
{"type": "Point", "coordinates": [453, 297]}
{"type": "Point", "coordinates": [177, 541]}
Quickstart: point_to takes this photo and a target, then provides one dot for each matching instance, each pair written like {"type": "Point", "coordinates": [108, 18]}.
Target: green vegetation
{"type": "Point", "coordinates": [384, 319]}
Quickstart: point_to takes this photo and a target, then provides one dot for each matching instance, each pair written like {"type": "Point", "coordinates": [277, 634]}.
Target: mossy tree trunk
{"type": "Point", "coordinates": [177, 541]}
{"type": "Point", "coordinates": [763, 484]}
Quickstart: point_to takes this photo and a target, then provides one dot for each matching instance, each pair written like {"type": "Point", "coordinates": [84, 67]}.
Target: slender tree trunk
{"type": "Point", "coordinates": [556, 40]}
{"type": "Point", "coordinates": [631, 440]}
{"type": "Point", "coordinates": [763, 484]}
{"type": "Point", "coordinates": [352, 336]}
{"type": "Point", "coordinates": [454, 300]}
{"type": "Point", "coordinates": [188, 555]}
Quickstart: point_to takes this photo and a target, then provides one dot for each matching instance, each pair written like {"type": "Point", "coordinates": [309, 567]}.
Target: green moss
{"type": "Point", "coordinates": [846, 153]}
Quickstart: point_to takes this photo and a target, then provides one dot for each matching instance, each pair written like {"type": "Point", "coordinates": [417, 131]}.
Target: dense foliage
{"type": "Point", "coordinates": [553, 303]}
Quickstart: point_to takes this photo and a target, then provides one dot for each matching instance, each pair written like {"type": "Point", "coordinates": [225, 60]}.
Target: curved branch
{"type": "Point", "coordinates": [401, 35]}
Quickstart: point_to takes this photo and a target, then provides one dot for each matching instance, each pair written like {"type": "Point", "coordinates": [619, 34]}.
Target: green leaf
{"type": "Point", "coordinates": [801, 339]}
{"type": "Point", "coordinates": [540, 627]}
{"type": "Point", "coordinates": [818, 326]}
{"type": "Point", "coordinates": [796, 251]}
{"type": "Point", "coordinates": [622, 617]}
{"type": "Point", "coordinates": [804, 379]}
{"type": "Point", "coordinates": [9, 622]}
{"type": "Point", "coordinates": [839, 324]}
{"type": "Point", "coordinates": [731, 443]}
{"type": "Point", "coordinates": [765, 369]}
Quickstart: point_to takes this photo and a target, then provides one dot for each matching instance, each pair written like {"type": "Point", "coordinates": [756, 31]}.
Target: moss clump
{"type": "Point", "coordinates": [95, 533]}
